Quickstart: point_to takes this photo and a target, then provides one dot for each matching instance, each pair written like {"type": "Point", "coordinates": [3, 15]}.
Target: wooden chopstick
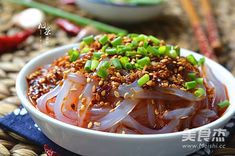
{"type": "Point", "coordinates": [212, 30]}
{"type": "Point", "coordinates": [203, 42]}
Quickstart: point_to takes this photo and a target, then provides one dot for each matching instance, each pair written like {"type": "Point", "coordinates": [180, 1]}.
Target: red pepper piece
{"type": "Point", "coordinates": [68, 27]}
{"type": "Point", "coordinates": [12, 42]}
{"type": "Point", "coordinates": [49, 151]}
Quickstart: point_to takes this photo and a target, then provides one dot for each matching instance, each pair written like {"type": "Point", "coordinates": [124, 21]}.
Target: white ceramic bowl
{"type": "Point", "coordinates": [120, 12]}
{"type": "Point", "coordinates": [95, 143]}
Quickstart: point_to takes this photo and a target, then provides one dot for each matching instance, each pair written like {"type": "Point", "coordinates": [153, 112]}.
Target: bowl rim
{"type": "Point", "coordinates": [32, 110]}
{"type": "Point", "coordinates": [102, 2]}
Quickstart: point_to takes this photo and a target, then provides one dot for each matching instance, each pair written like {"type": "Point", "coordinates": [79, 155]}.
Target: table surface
{"type": "Point", "coordinates": [171, 25]}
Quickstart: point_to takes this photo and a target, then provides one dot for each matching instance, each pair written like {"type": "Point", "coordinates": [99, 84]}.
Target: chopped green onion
{"type": "Point", "coordinates": [125, 62]}
{"type": "Point", "coordinates": [73, 55]}
{"type": "Point", "coordinates": [190, 58]}
{"type": "Point", "coordinates": [192, 76]}
{"type": "Point", "coordinates": [162, 50]}
{"type": "Point", "coordinates": [141, 37]}
{"type": "Point", "coordinates": [190, 85]}
{"type": "Point", "coordinates": [154, 39]}
{"type": "Point", "coordinates": [89, 39]}
{"type": "Point", "coordinates": [102, 73]}
{"type": "Point", "coordinates": [117, 41]}
{"type": "Point", "coordinates": [87, 66]}
{"type": "Point", "coordinates": [116, 63]}
{"type": "Point", "coordinates": [173, 53]}
{"type": "Point", "coordinates": [224, 104]}
{"type": "Point", "coordinates": [105, 64]}
{"type": "Point", "coordinates": [104, 47]}
{"type": "Point", "coordinates": [111, 51]}
{"type": "Point", "coordinates": [144, 61]}
{"type": "Point", "coordinates": [142, 51]}
{"type": "Point", "coordinates": [145, 45]}
{"type": "Point", "coordinates": [121, 34]}
{"type": "Point", "coordinates": [199, 92]}
{"type": "Point", "coordinates": [104, 39]}
{"type": "Point", "coordinates": [134, 44]}
{"type": "Point", "coordinates": [132, 35]}
{"type": "Point", "coordinates": [97, 55]}
{"type": "Point", "coordinates": [201, 61]}
{"type": "Point", "coordinates": [153, 50]}
{"type": "Point", "coordinates": [85, 50]}
{"type": "Point", "coordinates": [130, 53]}
{"type": "Point", "coordinates": [177, 49]}
{"type": "Point", "coordinates": [143, 80]}
{"type": "Point", "coordinates": [82, 45]}
{"type": "Point", "coordinates": [199, 81]}
{"type": "Point", "coordinates": [94, 64]}
{"type": "Point", "coordinates": [122, 49]}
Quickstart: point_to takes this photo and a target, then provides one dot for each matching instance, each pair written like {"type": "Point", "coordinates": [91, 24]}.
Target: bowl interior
{"type": "Point", "coordinates": [120, 3]}
{"type": "Point", "coordinates": [21, 86]}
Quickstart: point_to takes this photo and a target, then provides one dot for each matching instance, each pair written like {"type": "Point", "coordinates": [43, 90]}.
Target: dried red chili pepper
{"type": "Point", "coordinates": [68, 27]}
{"type": "Point", "coordinates": [49, 151]}
{"type": "Point", "coordinates": [12, 42]}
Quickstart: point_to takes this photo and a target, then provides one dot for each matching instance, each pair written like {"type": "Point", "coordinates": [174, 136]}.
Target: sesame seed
{"type": "Point", "coordinates": [93, 88]}
{"type": "Point", "coordinates": [82, 107]}
{"type": "Point", "coordinates": [112, 110]}
{"type": "Point", "coordinates": [156, 112]}
{"type": "Point", "coordinates": [66, 72]}
{"type": "Point", "coordinates": [126, 95]}
{"type": "Point", "coordinates": [181, 68]}
{"type": "Point", "coordinates": [164, 60]}
{"type": "Point", "coordinates": [118, 103]}
{"type": "Point", "coordinates": [149, 83]}
{"type": "Point", "coordinates": [162, 42]}
{"type": "Point", "coordinates": [97, 123]}
{"type": "Point", "coordinates": [101, 103]}
{"type": "Point", "coordinates": [41, 80]}
{"type": "Point", "coordinates": [118, 74]}
{"type": "Point", "coordinates": [101, 82]}
{"type": "Point", "coordinates": [116, 94]}
{"type": "Point", "coordinates": [183, 117]}
{"type": "Point", "coordinates": [88, 80]}
{"type": "Point", "coordinates": [103, 93]}
{"type": "Point", "coordinates": [83, 100]}
{"type": "Point", "coordinates": [61, 83]}
{"type": "Point", "coordinates": [113, 78]}
{"type": "Point", "coordinates": [80, 96]}
{"type": "Point", "coordinates": [73, 89]}
{"type": "Point", "coordinates": [90, 124]}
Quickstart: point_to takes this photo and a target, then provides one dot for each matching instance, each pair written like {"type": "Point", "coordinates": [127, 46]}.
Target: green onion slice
{"type": "Point", "coordinates": [103, 39]}
{"type": "Point", "coordinates": [94, 64]}
{"type": "Point", "coordinates": [87, 66]}
{"type": "Point", "coordinates": [89, 39]}
{"type": "Point", "coordinates": [224, 104]}
{"type": "Point", "coordinates": [190, 58]}
{"type": "Point", "coordinates": [102, 73]}
{"type": "Point", "coordinates": [199, 92]}
{"type": "Point", "coordinates": [117, 41]}
{"type": "Point", "coordinates": [190, 85]}
{"type": "Point", "coordinates": [73, 55]}
{"type": "Point", "coordinates": [143, 80]}
{"type": "Point", "coordinates": [144, 61]}
{"type": "Point", "coordinates": [116, 63]}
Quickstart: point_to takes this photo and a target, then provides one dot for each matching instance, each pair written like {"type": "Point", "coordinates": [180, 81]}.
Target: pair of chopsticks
{"type": "Point", "coordinates": [207, 45]}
